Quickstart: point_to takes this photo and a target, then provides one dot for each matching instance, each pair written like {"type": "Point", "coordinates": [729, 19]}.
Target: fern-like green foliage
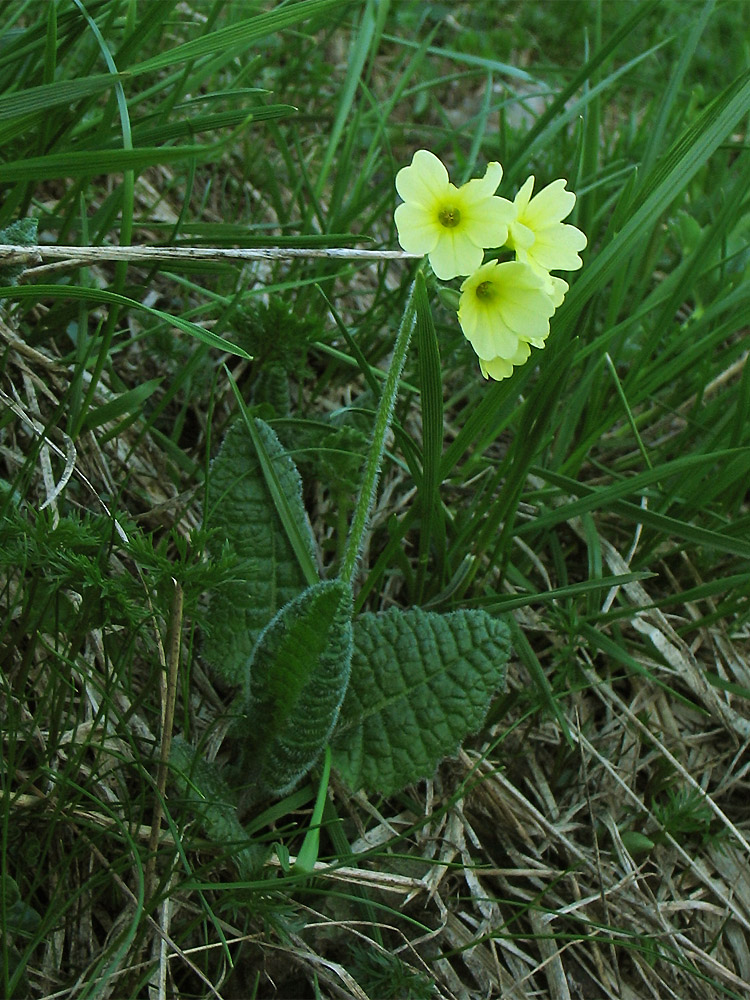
{"type": "Point", "coordinates": [296, 682]}
{"type": "Point", "coordinates": [420, 683]}
{"type": "Point", "coordinates": [240, 510]}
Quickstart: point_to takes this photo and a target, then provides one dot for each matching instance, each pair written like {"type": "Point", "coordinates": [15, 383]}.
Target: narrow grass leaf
{"type": "Point", "coordinates": [36, 292]}
{"type": "Point", "coordinates": [499, 604]}
{"type": "Point", "coordinates": [529, 658]}
{"type": "Point", "coordinates": [610, 498]}
{"type": "Point", "coordinates": [125, 403]}
{"type": "Point", "coordinates": [656, 192]}
{"type": "Point", "coordinates": [52, 95]}
{"type": "Point", "coordinates": [357, 56]}
{"type": "Point", "coordinates": [241, 36]}
{"type": "Point", "coordinates": [89, 163]}
{"type": "Point", "coordinates": [147, 134]}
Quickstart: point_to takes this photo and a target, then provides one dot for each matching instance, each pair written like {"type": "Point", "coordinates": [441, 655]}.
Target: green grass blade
{"type": "Point", "coordinates": [33, 100]}
{"type": "Point", "coordinates": [34, 292]}
{"type": "Point", "coordinates": [88, 163]}
{"type": "Point", "coordinates": [659, 190]}
{"type": "Point", "coordinates": [236, 37]}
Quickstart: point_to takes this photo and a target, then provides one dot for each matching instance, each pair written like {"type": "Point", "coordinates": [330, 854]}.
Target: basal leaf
{"type": "Point", "coordinates": [210, 801]}
{"type": "Point", "coordinates": [240, 506]}
{"type": "Point", "coordinates": [23, 232]}
{"type": "Point", "coordinates": [420, 683]}
{"type": "Point", "coordinates": [296, 683]}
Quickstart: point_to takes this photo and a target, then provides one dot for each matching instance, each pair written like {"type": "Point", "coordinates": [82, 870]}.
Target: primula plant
{"type": "Point", "coordinates": [381, 697]}
{"type": "Point", "coordinates": [506, 306]}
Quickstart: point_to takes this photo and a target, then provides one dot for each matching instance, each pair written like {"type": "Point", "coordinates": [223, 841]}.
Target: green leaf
{"type": "Point", "coordinates": [20, 233]}
{"type": "Point", "coordinates": [241, 509]}
{"type": "Point", "coordinates": [672, 173]}
{"type": "Point", "coordinates": [207, 798]}
{"type": "Point", "coordinates": [298, 677]}
{"type": "Point", "coordinates": [295, 524]}
{"type": "Point", "coordinates": [37, 292]}
{"type": "Point", "coordinates": [237, 37]}
{"type": "Point", "coordinates": [88, 163]}
{"type": "Point", "coordinates": [145, 135]}
{"type": "Point", "coordinates": [125, 403]}
{"type": "Point", "coordinates": [421, 682]}
{"type": "Point", "coordinates": [50, 95]}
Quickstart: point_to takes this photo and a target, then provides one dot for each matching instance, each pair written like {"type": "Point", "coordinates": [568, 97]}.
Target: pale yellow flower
{"type": "Point", "coordinates": [538, 234]}
{"type": "Point", "coordinates": [504, 307]}
{"type": "Point", "coordinates": [453, 226]}
{"type": "Point", "coordinates": [500, 368]}
{"type": "Point", "coordinates": [556, 288]}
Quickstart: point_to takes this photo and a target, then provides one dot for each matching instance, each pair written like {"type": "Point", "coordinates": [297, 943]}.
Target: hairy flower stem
{"type": "Point", "coordinates": [383, 418]}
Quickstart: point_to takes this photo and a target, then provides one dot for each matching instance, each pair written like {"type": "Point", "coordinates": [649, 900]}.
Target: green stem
{"type": "Point", "coordinates": [383, 419]}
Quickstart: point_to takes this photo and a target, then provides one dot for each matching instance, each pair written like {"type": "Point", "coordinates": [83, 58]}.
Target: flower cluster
{"type": "Point", "coordinates": [505, 306]}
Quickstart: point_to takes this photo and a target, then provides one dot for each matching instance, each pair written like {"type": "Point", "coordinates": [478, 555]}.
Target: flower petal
{"type": "Point", "coordinates": [552, 204]}
{"type": "Point", "coordinates": [521, 200]}
{"type": "Point", "coordinates": [418, 230]}
{"type": "Point", "coordinates": [487, 220]}
{"type": "Point", "coordinates": [557, 290]}
{"type": "Point", "coordinates": [527, 314]}
{"type": "Point", "coordinates": [490, 336]}
{"type": "Point", "coordinates": [497, 368]}
{"type": "Point", "coordinates": [556, 248]}
{"type": "Point", "coordinates": [500, 367]}
{"type": "Point", "coordinates": [424, 181]}
{"type": "Point", "coordinates": [519, 236]}
{"type": "Point", "coordinates": [483, 187]}
{"type": "Point", "coordinates": [455, 254]}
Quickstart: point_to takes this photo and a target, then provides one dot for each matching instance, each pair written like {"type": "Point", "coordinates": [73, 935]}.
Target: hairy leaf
{"type": "Point", "coordinates": [23, 232]}
{"type": "Point", "coordinates": [240, 506]}
{"type": "Point", "coordinates": [296, 683]}
{"type": "Point", "coordinates": [209, 800]}
{"type": "Point", "coordinates": [420, 683]}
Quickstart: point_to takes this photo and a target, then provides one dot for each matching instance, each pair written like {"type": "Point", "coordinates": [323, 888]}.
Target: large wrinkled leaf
{"type": "Point", "coordinates": [296, 683]}
{"type": "Point", "coordinates": [207, 798]}
{"type": "Point", "coordinates": [420, 683]}
{"type": "Point", "coordinates": [269, 574]}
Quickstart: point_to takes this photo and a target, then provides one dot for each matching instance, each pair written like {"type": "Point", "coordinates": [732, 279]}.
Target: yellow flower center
{"type": "Point", "coordinates": [449, 217]}
{"type": "Point", "coordinates": [485, 290]}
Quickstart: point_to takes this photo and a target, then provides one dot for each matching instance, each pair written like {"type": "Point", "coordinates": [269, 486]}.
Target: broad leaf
{"type": "Point", "coordinates": [240, 506]}
{"type": "Point", "coordinates": [23, 232]}
{"type": "Point", "coordinates": [296, 683]}
{"type": "Point", "coordinates": [420, 683]}
{"type": "Point", "coordinates": [208, 799]}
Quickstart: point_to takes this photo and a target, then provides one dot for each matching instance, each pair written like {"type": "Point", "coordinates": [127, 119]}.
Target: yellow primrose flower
{"type": "Point", "coordinates": [538, 234]}
{"type": "Point", "coordinates": [500, 368]}
{"type": "Point", "coordinates": [504, 307]}
{"type": "Point", "coordinates": [452, 225]}
{"type": "Point", "coordinates": [556, 288]}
